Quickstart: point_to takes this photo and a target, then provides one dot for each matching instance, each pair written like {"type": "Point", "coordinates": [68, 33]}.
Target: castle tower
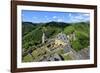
{"type": "Point", "coordinates": [43, 38]}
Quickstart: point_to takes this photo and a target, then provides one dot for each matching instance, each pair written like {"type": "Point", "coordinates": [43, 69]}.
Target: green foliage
{"type": "Point", "coordinates": [32, 33]}
{"type": "Point", "coordinates": [27, 58]}
{"type": "Point", "coordinates": [69, 29]}
{"type": "Point", "coordinates": [66, 57]}
{"type": "Point", "coordinates": [81, 31]}
{"type": "Point", "coordinates": [27, 27]}
{"type": "Point", "coordinates": [82, 39]}
{"type": "Point", "coordinates": [76, 45]}
{"type": "Point", "coordinates": [52, 31]}
{"type": "Point", "coordinates": [32, 38]}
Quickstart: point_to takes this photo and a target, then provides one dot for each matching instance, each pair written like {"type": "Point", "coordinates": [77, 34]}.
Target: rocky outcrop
{"type": "Point", "coordinates": [58, 49]}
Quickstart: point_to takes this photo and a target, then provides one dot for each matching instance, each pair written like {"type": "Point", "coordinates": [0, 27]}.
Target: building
{"type": "Point", "coordinates": [72, 36]}
{"type": "Point", "coordinates": [61, 39]}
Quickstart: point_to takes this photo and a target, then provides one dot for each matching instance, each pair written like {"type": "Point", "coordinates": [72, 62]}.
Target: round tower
{"type": "Point", "coordinates": [43, 38]}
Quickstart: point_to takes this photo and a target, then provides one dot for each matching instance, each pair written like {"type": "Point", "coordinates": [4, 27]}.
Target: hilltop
{"type": "Point", "coordinates": [76, 33]}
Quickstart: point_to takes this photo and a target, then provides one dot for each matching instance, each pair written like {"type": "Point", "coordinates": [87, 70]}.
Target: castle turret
{"type": "Point", "coordinates": [43, 38]}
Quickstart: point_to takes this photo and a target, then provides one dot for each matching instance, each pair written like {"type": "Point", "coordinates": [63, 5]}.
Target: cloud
{"type": "Point", "coordinates": [60, 20]}
{"type": "Point", "coordinates": [45, 16]}
{"type": "Point", "coordinates": [82, 17]}
{"type": "Point", "coordinates": [54, 17]}
{"type": "Point", "coordinates": [78, 17]}
{"type": "Point", "coordinates": [87, 14]}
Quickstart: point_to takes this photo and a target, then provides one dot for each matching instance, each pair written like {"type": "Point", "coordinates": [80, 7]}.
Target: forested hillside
{"type": "Point", "coordinates": [32, 33]}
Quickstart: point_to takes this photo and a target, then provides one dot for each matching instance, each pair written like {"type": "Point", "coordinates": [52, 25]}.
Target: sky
{"type": "Point", "coordinates": [48, 16]}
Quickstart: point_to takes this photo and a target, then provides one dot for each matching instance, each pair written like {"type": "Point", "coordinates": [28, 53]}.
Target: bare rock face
{"type": "Point", "coordinates": [85, 53]}
{"type": "Point", "coordinates": [54, 57]}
